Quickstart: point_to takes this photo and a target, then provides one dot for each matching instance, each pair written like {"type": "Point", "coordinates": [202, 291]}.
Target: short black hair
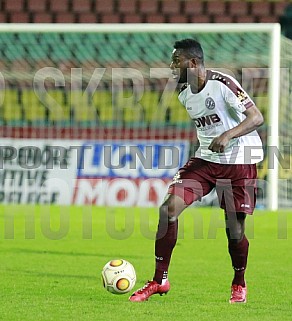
{"type": "Point", "coordinates": [191, 47]}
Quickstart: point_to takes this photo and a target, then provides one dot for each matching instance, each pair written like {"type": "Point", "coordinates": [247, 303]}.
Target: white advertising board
{"type": "Point", "coordinates": [102, 173]}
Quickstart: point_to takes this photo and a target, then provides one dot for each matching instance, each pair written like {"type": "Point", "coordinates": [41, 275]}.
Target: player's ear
{"type": "Point", "coordinates": [193, 63]}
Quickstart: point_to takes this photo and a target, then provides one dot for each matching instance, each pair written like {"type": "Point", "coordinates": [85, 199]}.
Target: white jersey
{"type": "Point", "coordinates": [218, 107]}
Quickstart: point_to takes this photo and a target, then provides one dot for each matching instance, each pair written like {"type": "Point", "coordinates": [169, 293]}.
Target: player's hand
{"type": "Point", "coordinates": [219, 143]}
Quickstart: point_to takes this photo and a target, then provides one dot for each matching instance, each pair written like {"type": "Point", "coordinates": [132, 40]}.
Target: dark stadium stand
{"type": "Point", "coordinates": [119, 11]}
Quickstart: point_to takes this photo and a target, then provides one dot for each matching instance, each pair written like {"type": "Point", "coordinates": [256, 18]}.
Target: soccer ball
{"type": "Point", "coordinates": [118, 276]}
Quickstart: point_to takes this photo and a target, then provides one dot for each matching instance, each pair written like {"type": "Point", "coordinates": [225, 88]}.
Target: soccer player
{"type": "Point", "coordinates": [226, 120]}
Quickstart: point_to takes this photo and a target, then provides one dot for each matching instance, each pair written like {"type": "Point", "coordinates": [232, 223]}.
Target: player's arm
{"type": "Point", "coordinates": [253, 120]}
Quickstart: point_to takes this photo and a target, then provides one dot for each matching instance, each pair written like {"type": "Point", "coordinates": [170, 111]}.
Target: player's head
{"type": "Point", "coordinates": [187, 53]}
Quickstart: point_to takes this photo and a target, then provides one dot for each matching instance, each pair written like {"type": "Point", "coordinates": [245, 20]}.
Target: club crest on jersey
{"type": "Point", "coordinates": [241, 95]}
{"type": "Point", "coordinates": [243, 98]}
{"type": "Point", "coordinates": [210, 103]}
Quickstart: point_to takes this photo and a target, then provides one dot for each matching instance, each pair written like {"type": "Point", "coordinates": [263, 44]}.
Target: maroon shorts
{"type": "Point", "coordinates": [235, 184]}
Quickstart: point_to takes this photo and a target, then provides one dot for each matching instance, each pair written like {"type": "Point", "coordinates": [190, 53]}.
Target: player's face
{"type": "Point", "coordinates": [179, 66]}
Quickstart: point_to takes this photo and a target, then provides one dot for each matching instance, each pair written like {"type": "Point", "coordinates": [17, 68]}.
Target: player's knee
{"type": "Point", "coordinates": [235, 226]}
{"type": "Point", "coordinates": [171, 207]}
{"type": "Point", "coordinates": [167, 211]}
{"type": "Point", "coordinates": [240, 216]}
{"type": "Point", "coordinates": [234, 235]}
{"type": "Point", "coordinates": [166, 215]}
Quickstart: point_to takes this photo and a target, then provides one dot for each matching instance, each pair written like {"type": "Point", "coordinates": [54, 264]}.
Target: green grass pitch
{"type": "Point", "coordinates": [52, 256]}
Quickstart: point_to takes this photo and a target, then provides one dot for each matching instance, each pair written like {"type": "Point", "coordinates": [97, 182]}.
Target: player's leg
{"type": "Point", "coordinates": [237, 245]}
{"type": "Point", "coordinates": [166, 235]}
{"type": "Point", "coordinates": [166, 238]}
{"type": "Point", "coordinates": [237, 196]}
{"type": "Point", "coordinates": [238, 250]}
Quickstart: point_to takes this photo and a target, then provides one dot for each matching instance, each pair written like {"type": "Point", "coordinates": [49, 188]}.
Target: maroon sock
{"type": "Point", "coordinates": [238, 253]}
{"type": "Point", "coordinates": [165, 241]}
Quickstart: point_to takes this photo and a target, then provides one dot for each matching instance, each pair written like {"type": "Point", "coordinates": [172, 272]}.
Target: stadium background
{"type": "Point", "coordinates": [51, 255]}
{"type": "Point", "coordinates": [65, 116]}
